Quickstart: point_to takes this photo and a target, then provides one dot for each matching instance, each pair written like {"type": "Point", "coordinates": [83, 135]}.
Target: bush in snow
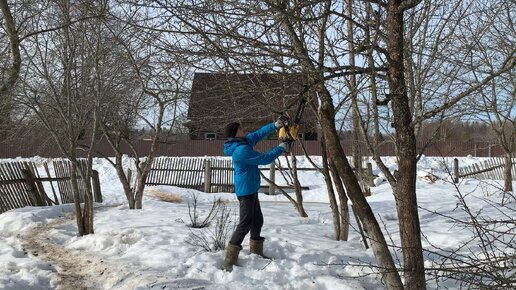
{"type": "Point", "coordinates": [193, 211]}
{"type": "Point", "coordinates": [487, 260]}
{"type": "Point", "coordinates": [215, 239]}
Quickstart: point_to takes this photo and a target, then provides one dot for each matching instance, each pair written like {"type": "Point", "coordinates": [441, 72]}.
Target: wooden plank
{"type": "Point", "coordinates": [231, 176]}
{"type": "Point", "coordinates": [150, 176]}
{"type": "Point", "coordinates": [39, 185]}
{"type": "Point", "coordinates": [494, 162]}
{"type": "Point", "coordinates": [175, 175]}
{"type": "Point", "coordinates": [229, 165]}
{"type": "Point", "coordinates": [501, 169]}
{"type": "Point", "coordinates": [62, 185]}
{"type": "Point", "coordinates": [19, 188]}
{"type": "Point", "coordinates": [182, 166]}
{"type": "Point", "coordinates": [162, 174]}
{"type": "Point", "coordinates": [199, 173]}
{"type": "Point", "coordinates": [165, 161]}
{"type": "Point", "coordinates": [155, 162]}
{"type": "Point", "coordinates": [10, 200]}
{"type": "Point", "coordinates": [65, 169]}
{"type": "Point", "coordinates": [168, 178]}
{"type": "Point", "coordinates": [191, 173]}
{"type": "Point", "coordinates": [167, 169]}
{"type": "Point", "coordinates": [186, 174]}
{"type": "Point", "coordinates": [18, 199]}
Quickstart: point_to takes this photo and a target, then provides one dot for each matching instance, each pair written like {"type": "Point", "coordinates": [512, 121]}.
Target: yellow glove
{"type": "Point", "coordinates": [293, 129]}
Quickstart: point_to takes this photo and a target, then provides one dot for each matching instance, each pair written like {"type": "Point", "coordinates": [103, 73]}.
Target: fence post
{"type": "Point", "coordinates": [31, 187]}
{"type": "Point", "coordinates": [96, 186]}
{"type": "Point", "coordinates": [272, 177]}
{"type": "Point", "coordinates": [456, 170]}
{"type": "Point", "coordinates": [207, 176]}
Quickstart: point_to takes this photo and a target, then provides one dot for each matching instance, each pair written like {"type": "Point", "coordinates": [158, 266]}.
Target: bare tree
{"type": "Point", "coordinates": [495, 39]}
{"type": "Point", "coordinates": [159, 80]}
{"type": "Point", "coordinates": [63, 87]}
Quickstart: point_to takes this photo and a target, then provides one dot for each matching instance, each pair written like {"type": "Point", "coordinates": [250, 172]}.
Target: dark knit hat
{"type": "Point", "coordinates": [231, 129]}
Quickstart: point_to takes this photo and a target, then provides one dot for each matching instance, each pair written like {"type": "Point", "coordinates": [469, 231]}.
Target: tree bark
{"type": "Point", "coordinates": [297, 187]}
{"type": "Point", "coordinates": [405, 190]}
{"type": "Point", "coordinates": [331, 193]}
{"type": "Point", "coordinates": [507, 172]}
{"type": "Point", "coordinates": [343, 200]}
{"type": "Point", "coordinates": [336, 153]}
{"type": "Point", "coordinates": [77, 200]}
{"type": "Point", "coordinates": [14, 71]}
{"type": "Point", "coordinates": [356, 148]}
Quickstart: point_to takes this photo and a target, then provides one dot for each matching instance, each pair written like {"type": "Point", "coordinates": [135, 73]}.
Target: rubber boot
{"type": "Point", "coordinates": [256, 247]}
{"type": "Point", "coordinates": [232, 252]}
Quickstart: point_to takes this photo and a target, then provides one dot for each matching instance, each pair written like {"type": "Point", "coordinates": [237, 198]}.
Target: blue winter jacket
{"type": "Point", "coordinates": [246, 159]}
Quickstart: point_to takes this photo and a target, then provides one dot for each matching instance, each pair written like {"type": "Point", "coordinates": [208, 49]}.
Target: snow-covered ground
{"type": "Point", "coordinates": [152, 248]}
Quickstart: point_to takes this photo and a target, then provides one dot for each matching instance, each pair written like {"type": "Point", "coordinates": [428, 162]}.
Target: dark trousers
{"type": "Point", "coordinates": [251, 219]}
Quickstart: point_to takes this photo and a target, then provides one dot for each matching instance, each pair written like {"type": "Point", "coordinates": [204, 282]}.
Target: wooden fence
{"type": "Point", "coordinates": [22, 184]}
{"type": "Point", "coordinates": [489, 169]}
{"type": "Point", "coordinates": [216, 174]}
{"type": "Point", "coordinates": [205, 174]}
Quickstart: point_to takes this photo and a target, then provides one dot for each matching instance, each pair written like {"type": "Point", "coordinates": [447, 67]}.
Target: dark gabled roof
{"type": "Point", "coordinates": [219, 98]}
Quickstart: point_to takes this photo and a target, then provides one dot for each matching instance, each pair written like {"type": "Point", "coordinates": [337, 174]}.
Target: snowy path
{"type": "Point", "coordinates": [75, 269]}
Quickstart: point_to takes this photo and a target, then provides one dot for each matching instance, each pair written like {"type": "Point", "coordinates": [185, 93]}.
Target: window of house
{"type": "Point", "coordinates": [210, 136]}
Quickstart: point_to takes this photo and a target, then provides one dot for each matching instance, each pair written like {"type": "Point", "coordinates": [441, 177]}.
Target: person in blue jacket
{"type": "Point", "coordinates": [239, 146]}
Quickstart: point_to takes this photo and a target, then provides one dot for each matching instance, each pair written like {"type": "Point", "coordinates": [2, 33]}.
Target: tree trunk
{"type": "Point", "coordinates": [336, 154]}
{"type": "Point", "coordinates": [14, 70]}
{"type": "Point", "coordinates": [297, 187]}
{"type": "Point", "coordinates": [405, 191]}
{"type": "Point", "coordinates": [343, 200]}
{"type": "Point", "coordinates": [356, 149]}
{"type": "Point", "coordinates": [141, 177]}
{"type": "Point", "coordinates": [124, 180]}
{"type": "Point", "coordinates": [507, 174]}
{"type": "Point", "coordinates": [77, 200]}
{"type": "Point", "coordinates": [331, 193]}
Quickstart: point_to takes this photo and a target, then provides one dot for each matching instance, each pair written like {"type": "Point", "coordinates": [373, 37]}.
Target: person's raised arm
{"type": "Point", "coordinates": [260, 134]}
{"type": "Point", "coordinates": [249, 156]}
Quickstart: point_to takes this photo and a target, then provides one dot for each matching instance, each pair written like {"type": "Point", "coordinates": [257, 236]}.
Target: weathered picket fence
{"type": "Point", "coordinates": [215, 174]}
{"type": "Point", "coordinates": [22, 184]}
{"type": "Point", "coordinates": [489, 169]}
{"type": "Point", "coordinates": [205, 174]}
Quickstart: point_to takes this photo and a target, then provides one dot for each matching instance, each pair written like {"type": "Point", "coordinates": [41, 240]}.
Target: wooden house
{"type": "Point", "coordinates": [253, 100]}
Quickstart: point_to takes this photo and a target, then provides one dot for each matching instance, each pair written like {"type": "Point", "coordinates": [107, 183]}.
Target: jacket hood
{"type": "Point", "coordinates": [231, 145]}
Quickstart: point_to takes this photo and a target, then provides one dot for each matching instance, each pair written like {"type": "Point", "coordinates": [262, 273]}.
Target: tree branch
{"type": "Point", "coordinates": [408, 4]}
{"type": "Point", "coordinates": [508, 65]}
{"type": "Point", "coordinates": [58, 27]}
